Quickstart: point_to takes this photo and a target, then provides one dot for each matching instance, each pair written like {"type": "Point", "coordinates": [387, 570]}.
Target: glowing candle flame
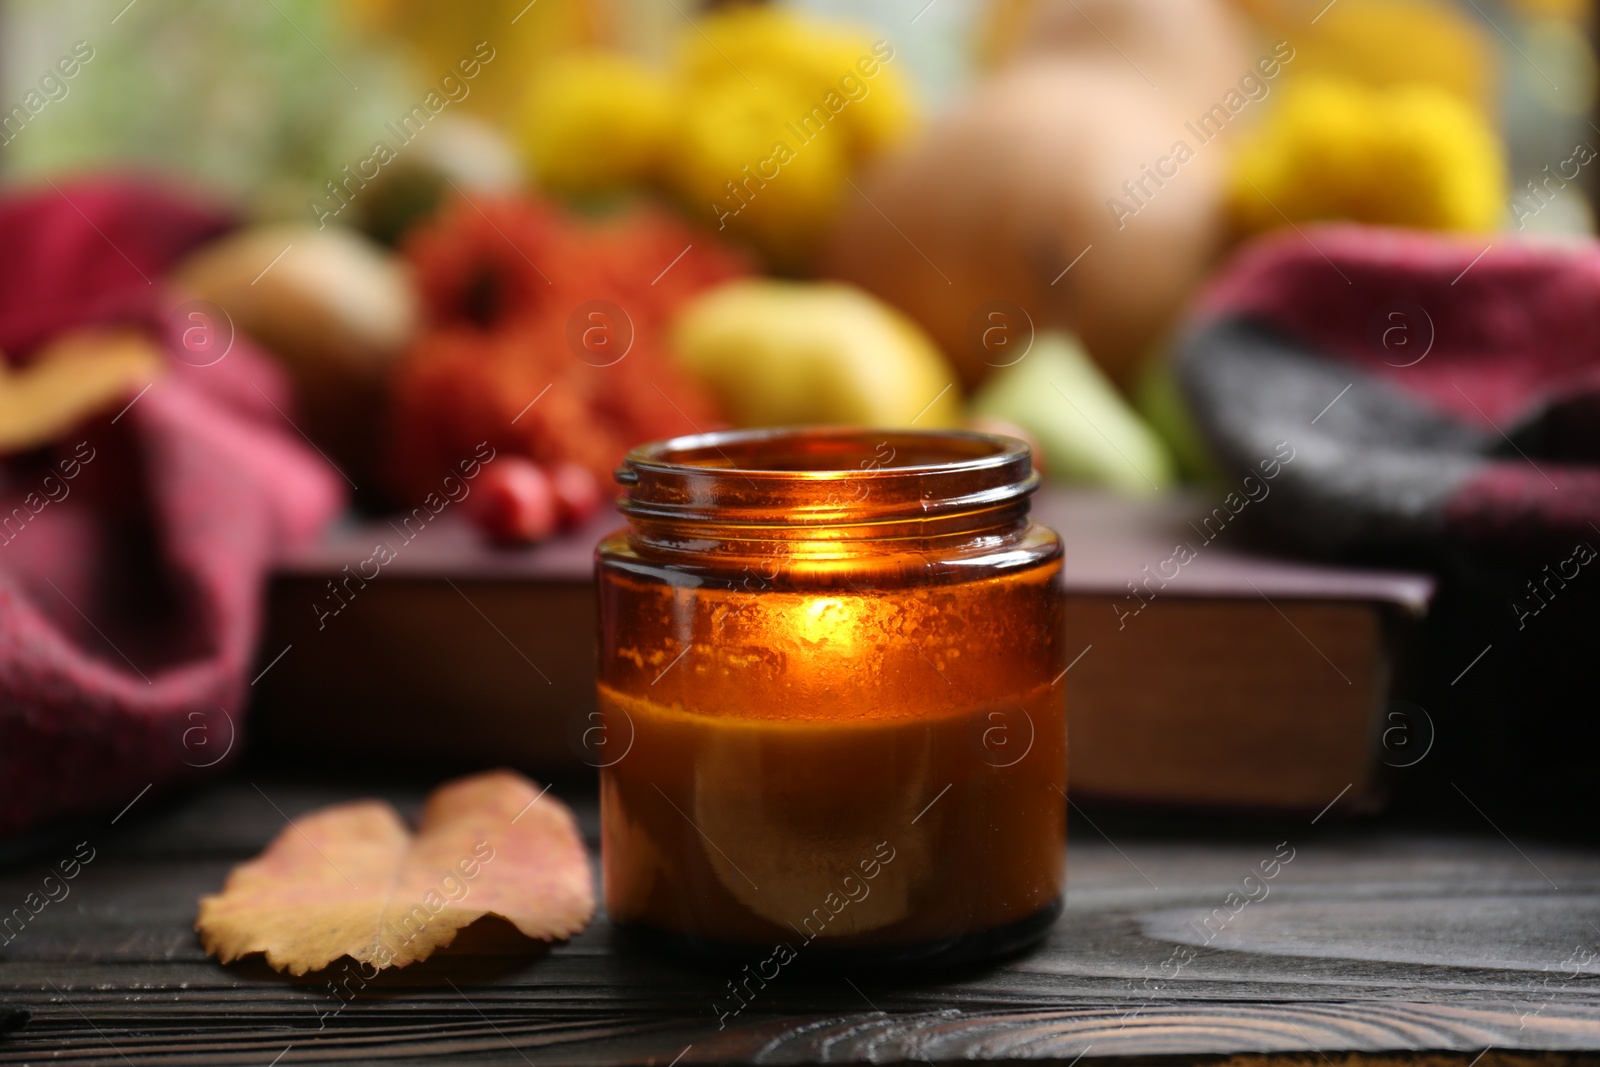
{"type": "Point", "coordinates": [828, 620]}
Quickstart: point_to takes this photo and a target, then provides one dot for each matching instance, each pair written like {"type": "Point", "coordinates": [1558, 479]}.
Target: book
{"type": "Point", "coordinates": [1200, 674]}
{"type": "Point", "coordinates": [1204, 674]}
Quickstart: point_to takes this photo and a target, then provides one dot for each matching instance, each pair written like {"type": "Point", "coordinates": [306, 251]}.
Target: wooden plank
{"type": "Point", "coordinates": [1376, 942]}
{"type": "Point", "coordinates": [1104, 1034]}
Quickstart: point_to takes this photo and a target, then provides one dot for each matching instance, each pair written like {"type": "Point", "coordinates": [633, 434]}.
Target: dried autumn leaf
{"type": "Point", "coordinates": [352, 880]}
{"type": "Point", "coordinates": [82, 373]}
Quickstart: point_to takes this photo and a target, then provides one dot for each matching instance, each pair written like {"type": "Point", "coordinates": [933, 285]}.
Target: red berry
{"type": "Point", "coordinates": [577, 493]}
{"type": "Point", "coordinates": [514, 502]}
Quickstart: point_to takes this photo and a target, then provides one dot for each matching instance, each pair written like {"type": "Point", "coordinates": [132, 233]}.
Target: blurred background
{"type": "Point", "coordinates": [264, 103]}
{"type": "Point", "coordinates": [1006, 135]}
{"type": "Point", "coordinates": [404, 232]}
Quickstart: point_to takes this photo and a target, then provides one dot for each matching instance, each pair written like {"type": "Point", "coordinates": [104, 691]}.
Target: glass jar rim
{"type": "Point", "coordinates": [824, 475]}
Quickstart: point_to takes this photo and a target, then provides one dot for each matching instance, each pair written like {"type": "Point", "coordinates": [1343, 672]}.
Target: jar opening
{"type": "Point", "coordinates": [825, 475]}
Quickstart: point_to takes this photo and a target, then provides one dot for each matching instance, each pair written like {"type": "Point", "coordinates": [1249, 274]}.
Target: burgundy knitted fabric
{"type": "Point", "coordinates": [1473, 410]}
{"type": "Point", "coordinates": [129, 601]}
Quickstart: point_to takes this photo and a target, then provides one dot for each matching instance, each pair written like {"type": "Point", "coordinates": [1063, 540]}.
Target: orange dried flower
{"type": "Point", "coordinates": [524, 302]}
{"type": "Point", "coordinates": [478, 261]}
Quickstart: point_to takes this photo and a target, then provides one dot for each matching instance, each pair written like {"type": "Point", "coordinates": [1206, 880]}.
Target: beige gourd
{"type": "Point", "coordinates": [337, 310]}
{"type": "Point", "coordinates": [999, 197]}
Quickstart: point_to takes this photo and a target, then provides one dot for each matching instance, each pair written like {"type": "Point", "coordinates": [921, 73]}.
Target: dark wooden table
{"type": "Point", "coordinates": [1369, 943]}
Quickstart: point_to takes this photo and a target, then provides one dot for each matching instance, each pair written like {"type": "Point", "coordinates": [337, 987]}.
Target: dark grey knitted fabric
{"type": "Point", "coordinates": [1371, 471]}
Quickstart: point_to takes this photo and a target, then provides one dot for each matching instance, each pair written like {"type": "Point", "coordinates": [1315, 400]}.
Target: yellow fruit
{"type": "Point", "coordinates": [518, 34]}
{"type": "Point", "coordinates": [746, 167]}
{"type": "Point", "coordinates": [781, 353]}
{"type": "Point", "coordinates": [596, 121]}
{"type": "Point", "coordinates": [1404, 156]}
{"type": "Point", "coordinates": [836, 67]}
{"type": "Point", "coordinates": [1389, 43]}
{"type": "Point", "coordinates": [1569, 10]}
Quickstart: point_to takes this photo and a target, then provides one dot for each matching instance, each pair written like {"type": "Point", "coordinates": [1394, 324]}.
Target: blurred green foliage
{"type": "Point", "coordinates": [262, 101]}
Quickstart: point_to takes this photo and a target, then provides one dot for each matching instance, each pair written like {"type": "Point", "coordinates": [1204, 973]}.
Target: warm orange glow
{"type": "Point", "coordinates": [795, 721]}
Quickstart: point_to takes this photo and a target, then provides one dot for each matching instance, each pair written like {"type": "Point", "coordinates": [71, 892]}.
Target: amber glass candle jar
{"type": "Point", "coordinates": [831, 663]}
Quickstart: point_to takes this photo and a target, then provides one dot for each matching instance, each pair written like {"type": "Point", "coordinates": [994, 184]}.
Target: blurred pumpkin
{"type": "Point", "coordinates": [1192, 50]}
{"type": "Point", "coordinates": [1007, 199]}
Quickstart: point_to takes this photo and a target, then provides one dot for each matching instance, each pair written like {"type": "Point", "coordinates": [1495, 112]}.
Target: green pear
{"type": "Point", "coordinates": [1161, 402]}
{"type": "Point", "coordinates": [1088, 433]}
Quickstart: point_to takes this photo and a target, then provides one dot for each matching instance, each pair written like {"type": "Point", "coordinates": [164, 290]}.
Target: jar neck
{"type": "Point", "coordinates": [826, 490]}
{"type": "Point", "coordinates": [947, 534]}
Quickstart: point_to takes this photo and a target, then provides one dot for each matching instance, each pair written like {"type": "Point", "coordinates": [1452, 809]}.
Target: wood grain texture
{"type": "Point", "coordinates": [1364, 942]}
